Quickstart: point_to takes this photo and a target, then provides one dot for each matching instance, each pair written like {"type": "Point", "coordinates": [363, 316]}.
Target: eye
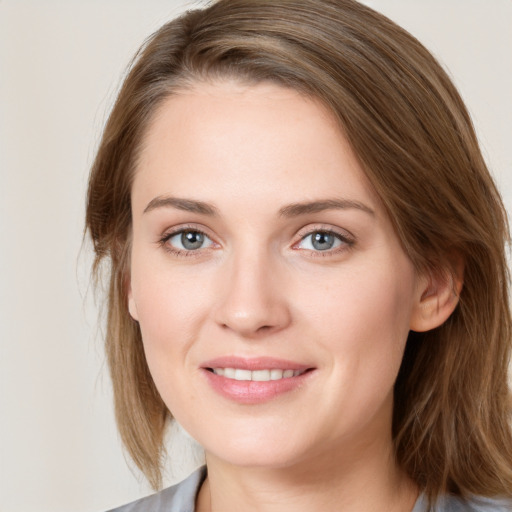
{"type": "Point", "coordinates": [187, 240]}
{"type": "Point", "coordinates": [322, 241]}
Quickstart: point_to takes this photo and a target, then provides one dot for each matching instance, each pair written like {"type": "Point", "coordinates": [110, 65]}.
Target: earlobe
{"type": "Point", "coordinates": [438, 296]}
{"type": "Point", "coordinates": [132, 307]}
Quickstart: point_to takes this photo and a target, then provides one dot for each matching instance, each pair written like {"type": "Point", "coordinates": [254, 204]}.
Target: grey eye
{"type": "Point", "coordinates": [189, 240]}
{"type": "Point", "coordinates": [320, 241]}
{"type": "Point", "coordinates": [192, 240]}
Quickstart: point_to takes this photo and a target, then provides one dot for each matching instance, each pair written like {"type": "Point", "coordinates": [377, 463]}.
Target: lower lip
{"type": "Point", "coordinates": [254, 392]}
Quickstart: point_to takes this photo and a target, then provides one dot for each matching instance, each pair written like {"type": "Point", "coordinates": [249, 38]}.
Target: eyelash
{"type": "Point", "coordinates": [347, 242]}
{"type": "Point", "coordinates": [163, 242]}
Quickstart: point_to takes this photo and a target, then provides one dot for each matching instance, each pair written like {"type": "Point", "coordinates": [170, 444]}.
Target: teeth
{"type": "Point", "coordinates": [276, 374]}
{"type": "Point", "coordinates": [257, 375]}
{"type": "Point", "coordinates": [260, 375]}
{"type": "Point", "coordinates": [242, 374]}
{"type": "Point", "coordinates": [229, 372]}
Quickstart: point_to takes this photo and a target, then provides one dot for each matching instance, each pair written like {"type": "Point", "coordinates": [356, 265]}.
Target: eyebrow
{"type": "Point", "coordinates": [188, 205]}
{"type": "Point", "coordinates": [296, 209]}
{"type": "Point", "coordinates": [291, 210]}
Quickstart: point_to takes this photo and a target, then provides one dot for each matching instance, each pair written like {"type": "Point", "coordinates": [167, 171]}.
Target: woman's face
{"type": "Point", "coordinates": [260, 251]}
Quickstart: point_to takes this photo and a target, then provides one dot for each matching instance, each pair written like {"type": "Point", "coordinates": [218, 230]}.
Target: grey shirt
{"type": "Point", "coordinates": [182, 497]}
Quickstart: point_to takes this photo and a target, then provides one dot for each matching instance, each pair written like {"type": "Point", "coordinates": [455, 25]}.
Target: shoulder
{"type": "Point", "coordinates": [178, 498]}
{"type": "Point", "coordinates": [457, 504]}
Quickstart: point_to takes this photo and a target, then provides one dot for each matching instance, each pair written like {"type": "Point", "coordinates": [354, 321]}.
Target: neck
{"type": "Point", "coordinates": [364, 480]}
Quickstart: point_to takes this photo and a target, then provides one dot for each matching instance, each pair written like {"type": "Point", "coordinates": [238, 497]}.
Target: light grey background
{"type": "Point", "coordinates": [60, 66]}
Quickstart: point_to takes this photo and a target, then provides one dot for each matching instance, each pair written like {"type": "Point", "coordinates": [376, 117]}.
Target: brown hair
{"type": "Point", "coordinates": [415, 141]}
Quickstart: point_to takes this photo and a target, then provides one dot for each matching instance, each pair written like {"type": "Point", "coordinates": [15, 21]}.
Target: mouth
{"type": "Point", "coordinates": [264, 375]}
{"type": "Point", "coordinates": [255, 380]}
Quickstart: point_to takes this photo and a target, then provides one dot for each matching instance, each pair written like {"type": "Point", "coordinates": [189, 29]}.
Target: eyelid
{"type": "Point", "coordinates": [348, 239]}
{"type": "Point", "coordinates": [169, 233]}
{"type": "Point", "coordinates": [325, 228]}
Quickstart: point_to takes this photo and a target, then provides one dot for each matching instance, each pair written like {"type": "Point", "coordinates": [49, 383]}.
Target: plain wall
{"type": "Point", "coordinates": [60, 65]}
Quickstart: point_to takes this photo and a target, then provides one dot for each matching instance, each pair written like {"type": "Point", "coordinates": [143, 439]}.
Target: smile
{"type": "Point", "coordinates": [264, 375]}
{"type": "Point", "coordinates": [252, 381]}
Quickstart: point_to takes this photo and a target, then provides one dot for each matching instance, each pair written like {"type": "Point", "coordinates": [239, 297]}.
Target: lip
{"type": "Point", "coordinates": [254, 392]}
{"type": "Point", "coordinates": [254, 363]}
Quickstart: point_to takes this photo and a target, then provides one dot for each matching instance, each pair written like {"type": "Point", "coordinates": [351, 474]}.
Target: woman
{"type": "Point", "coordinates": [307, 266]}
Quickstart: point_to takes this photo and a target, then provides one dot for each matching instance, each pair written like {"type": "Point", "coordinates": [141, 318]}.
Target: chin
{"type": "Point", "coordinates": [256, 457]}
{"type": "Point", "coordinates": [255, 449]}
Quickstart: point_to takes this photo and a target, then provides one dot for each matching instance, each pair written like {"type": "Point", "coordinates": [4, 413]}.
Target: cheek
{"type": "Point", "coordinates": [361, 298]}
{"type": "Point", "coordinates": [170, 321]}
{"type": "Point", "coordinates": [362, 319]}
{"type": "Point", "coordinates": [362, 325]}
{"type": "Point", "coordinates": [168, 317]}
{"type": "Point", "coordinates": [170, 309]}
{"type": "Point", "coordinates": [168, 300]}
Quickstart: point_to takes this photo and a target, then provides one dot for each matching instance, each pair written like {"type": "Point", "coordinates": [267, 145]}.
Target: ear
{"type": "Point", "coordinates": [437, 297]}
{"type": "Point", "coordinates": [132, 307]}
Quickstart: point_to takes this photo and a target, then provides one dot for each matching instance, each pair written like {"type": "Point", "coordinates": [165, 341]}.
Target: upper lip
{"type": "Point", "coordinates": [254, 363]}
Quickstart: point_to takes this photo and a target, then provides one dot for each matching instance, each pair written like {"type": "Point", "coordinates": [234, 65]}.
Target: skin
{"type": "Point", "coordinates": [258, 287]}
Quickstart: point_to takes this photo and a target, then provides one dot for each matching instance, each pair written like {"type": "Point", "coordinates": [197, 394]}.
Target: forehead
{"type": "Point", "coordinates": [265, 138]}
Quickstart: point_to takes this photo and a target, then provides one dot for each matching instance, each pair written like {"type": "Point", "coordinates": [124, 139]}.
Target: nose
{"type": "Point", "coordinates": [253, 300]}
